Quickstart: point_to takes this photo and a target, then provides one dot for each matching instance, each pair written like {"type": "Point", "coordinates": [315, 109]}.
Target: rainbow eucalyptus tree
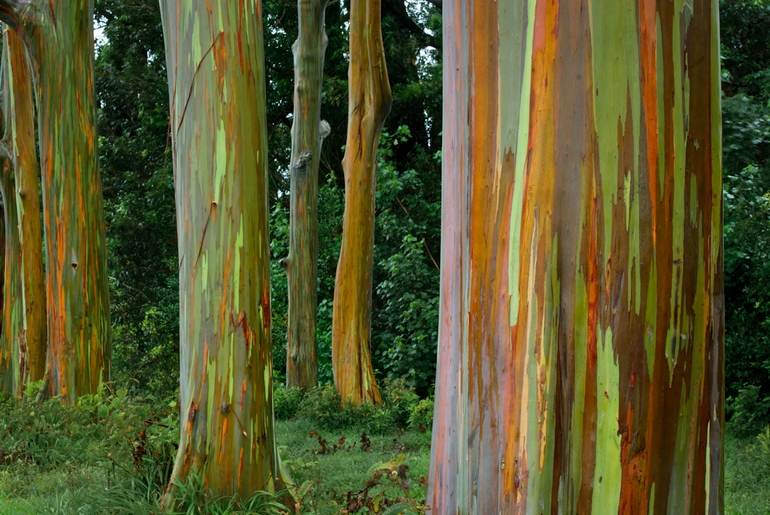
{"type": "Point", "coordinates": [214, 55]}
{"type": "Point", "coordinates": [24, 323]}
{"type": "Point", "coordinates": [60, 41]}
{"type": "Point", "coordinates": [581, 357]}
{"type": "Point", "coordinates": [12, 348]}
{"type": "Point", "coordinates": [2, 254]}
{"type": "Point", "coordinates": [307, 134]}
{"type": "Point", "coordinates": [369, 100]}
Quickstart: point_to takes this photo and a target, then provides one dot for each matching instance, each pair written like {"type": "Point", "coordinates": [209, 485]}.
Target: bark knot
{"type": "Point", "coordinates": [302, 162]}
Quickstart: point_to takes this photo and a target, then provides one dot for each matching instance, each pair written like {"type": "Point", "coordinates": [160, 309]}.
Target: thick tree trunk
{"type": "Point", "coordinates": [581, 335]}
{"type": "Point", "coordinates": [20, 133]}
{"type": "Point", "coordinates": [307, 134]}
{"type": "Point", "coordinates": [60, 40]}
{"type": "Point", "coordinates": [369, 101]}
{"type": "Point", "coordinates": [214, 55]}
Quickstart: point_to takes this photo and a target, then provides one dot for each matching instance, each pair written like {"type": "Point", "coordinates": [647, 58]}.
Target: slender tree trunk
{"type": "Point", "coordinates": [20, 131]}
{"type": "Point", "coordinates": [307, 134]}
{"type": "Point", "coordinates": [12, 347]}
{"type": "Point", "coordinates": [214, 55]}
{"type": "Point", "coordinates": [60, 40]}
{"type": "Point", "coordinates": [369, 101]}
{"type": "Point", "coordinates": [2, 265]}
{"type": "Point", "coordinates": [581, 335]}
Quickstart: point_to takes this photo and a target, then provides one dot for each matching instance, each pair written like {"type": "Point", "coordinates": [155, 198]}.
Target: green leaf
{"type": "Point", "coordinates": [397, 509]}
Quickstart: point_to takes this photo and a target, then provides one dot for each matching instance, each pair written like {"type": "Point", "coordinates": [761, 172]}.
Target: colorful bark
{"type": "Point", "coordinates": [12, 345]}
{"type": "Point", "coordinates": [369, 101]}
{"type": "Point", "coordinates": [581, 335]}
{"type": "Point", "coordinates": [307, 133]}
{"type": "Point", "coordinates": [2, 261]}
{"type": "Point", "coordinates": [24, 325]}
{"type": "Point", "coordinates": [20, 132]}
{"type": "Point", "coordinates": [214, 55]}
{"type": "Point", "coordinates": [59, 36]}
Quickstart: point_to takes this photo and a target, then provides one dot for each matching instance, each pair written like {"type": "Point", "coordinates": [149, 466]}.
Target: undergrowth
{"type": "Point", "coordinates": [401, 408]}
{"type": "Point", "coordinates": [112, 453]}
{"type": "Point", "coordinates": [747, 474]}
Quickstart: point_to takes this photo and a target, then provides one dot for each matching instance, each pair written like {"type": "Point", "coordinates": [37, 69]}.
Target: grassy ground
{"type": "Point", "coordinates": [339, 466]}
{"type": "Point", "coordinates": [335, 478]}
{"type": "Point", "coordinates": [83, 459]}
{"type": "Point", "coordinates": [747, 475]}
{"type": "Point", "coordinates": [56, 460]}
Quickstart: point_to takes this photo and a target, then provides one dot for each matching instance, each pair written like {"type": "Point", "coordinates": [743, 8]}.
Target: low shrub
{"type": "Point", "coordinates": [399, 399]}
{"type": "Point", "coordinates": [286, 401]}
{"type": "Point", "coordinates": [748, 411]}
{"type": "Point", "coordinates": [99, 429]}
{"type": "Point", "coordinates": [421, 416]}
{"type": "Point", "coordinates": [325, 408]}
{"type": "Point", "coordinates": [323, 405]}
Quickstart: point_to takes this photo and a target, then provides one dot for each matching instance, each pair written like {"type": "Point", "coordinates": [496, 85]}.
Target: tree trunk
{"type": "Point", "coordinates": [12, 346]}
{"type": "Point", "coordinates": [369, 101]}
{"type": "Point", "coordinates": [2, 264]}
{"type": "Point", "coordinates": [20, 131]}
{"type": "Point", "coordinates": [214, 55]}
{"type": "Point", "coordinates": [60, 40]}
{"type": "Point", "coordinates": [581, 335]}
{"type": "Point", "coordinates": [307, 135]}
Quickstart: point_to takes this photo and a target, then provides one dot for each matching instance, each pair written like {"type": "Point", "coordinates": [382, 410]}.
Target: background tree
{"type": "Point", "coordinates": [24, 322]}
{"type": "Point", "coordinates": [216, 75]}
{"type": "Point", "coordinates": [308, 133]}
{"type": "Point", "coordinates": [12, 347]}
{"type": "Point", "coordinates": [369, 101]}
{"type": "Point", "coordinates": [20, 127]}
{"type": "Point", "coordinates": [60, 39]}
{"type": "Point", "coordinates": [581, 357]}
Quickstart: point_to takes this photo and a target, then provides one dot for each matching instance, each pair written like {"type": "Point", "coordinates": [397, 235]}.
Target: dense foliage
{"type": "Point", "coordinates": [139, 196]}
{"type": "Point", "coordinates": [746, 162]}
{"type": "Point", "coordinates": [132, 90]}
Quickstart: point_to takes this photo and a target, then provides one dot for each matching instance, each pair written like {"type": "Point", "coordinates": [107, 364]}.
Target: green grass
{"type": "Point", "coordinates": [345, 469]}
{"type": "Point", "coordinates": [747, 475]}
{"type": "Point", "coordinates": [80, 460]}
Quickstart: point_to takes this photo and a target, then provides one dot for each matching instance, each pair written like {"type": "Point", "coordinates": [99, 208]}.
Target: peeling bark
{"type": "Point", "coordinates": [214, 55]}
{"type": "Point", "coordinates": [581, 331]}
{"type": "Point", "coordinates": [369, 100]}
